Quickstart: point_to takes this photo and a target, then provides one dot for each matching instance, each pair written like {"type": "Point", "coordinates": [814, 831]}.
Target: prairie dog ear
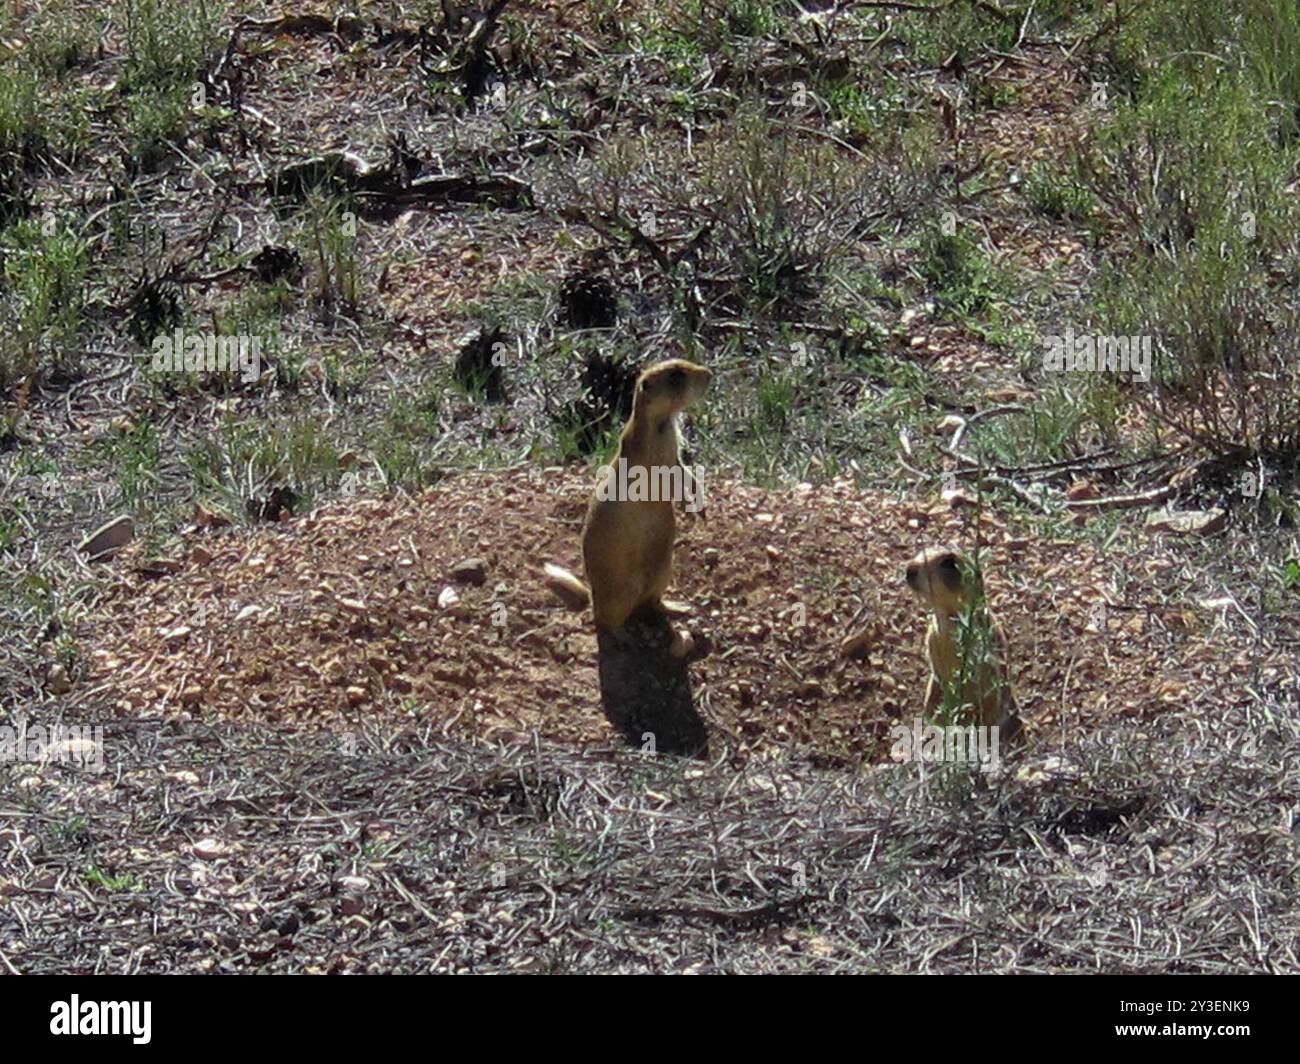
{"type": "Point", "coordinates": [953, 570]}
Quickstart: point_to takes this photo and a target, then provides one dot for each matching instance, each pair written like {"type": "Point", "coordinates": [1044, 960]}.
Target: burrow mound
{"type": "Point", "coordinates": [342, 619]}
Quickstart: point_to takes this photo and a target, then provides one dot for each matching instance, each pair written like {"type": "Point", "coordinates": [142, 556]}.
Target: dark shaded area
{"type": "Point", "coordinates": [274, 263]}
{"type": "Point", "coordinates": [269, 507]}
{"type": "Point", "coordinates": [477, 370]}
{"type": "Point", "coordinates": [645, 692]}
{"type": "Point", "coordinates": [155, 307]}
{"type": "Point", "coordinates": [588, 300]}
{"type": "Point", "coordinates": [608, 388]}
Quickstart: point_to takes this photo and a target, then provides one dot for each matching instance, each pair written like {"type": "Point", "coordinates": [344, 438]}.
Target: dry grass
{"type": "Point", "coordinates": [1141, 850]}
{"type": "Point", "coordinates": [312, 765]}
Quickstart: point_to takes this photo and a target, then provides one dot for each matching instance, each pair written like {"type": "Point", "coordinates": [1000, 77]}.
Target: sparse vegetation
{"type": "Point", "coordinates": [457, 241]}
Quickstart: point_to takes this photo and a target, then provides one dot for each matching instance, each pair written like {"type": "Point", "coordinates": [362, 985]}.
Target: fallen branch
{"type": "Point", "coordinates": [345, 172]}
{"type": "Point", "coordinates": [1123, 502]}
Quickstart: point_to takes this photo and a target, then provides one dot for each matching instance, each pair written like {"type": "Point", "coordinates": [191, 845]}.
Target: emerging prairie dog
{"type": "Point", "coordinates": [627, 544]}
{"type": "Point", "coordinates": [967, 657]}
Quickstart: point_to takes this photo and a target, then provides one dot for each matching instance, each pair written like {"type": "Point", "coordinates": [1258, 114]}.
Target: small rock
{"type": "Point", "coordinates": [208, 849]}
{"type": "Point", "coordinates": [206, 518]}
{"type": "Point", "coordinates": [1188, 522]}
{"type": "Point", "coordinates": [856, 646]}
{"type": "Point", "coordinates": [200, 555]}
{"type": "Point", "coordinates": [1003, 395]}
{"type": "Point", "coordinates": [108, 539]}
{"type": "Point", "coordinates": [957, 499]}
{"type": "Point", "coordinates": [159, 567]}
{"type": "Point", "coordinates": [683, 644]}
{"type": "Point", "coordinates": [356, 695]}
{"type": "Point", "coordinates": [284, 923]}
{"type": "Point", "coordinates": [448, 598]}
{"type": "Point", "coordinates": [1040, 771]}
{"type": "Point", "coordinates": [459, 677]}
{"type": "Point", "coordinates": [470, 571]}
{"type": "Point", "coordinates": [565, 586]}
{"type": "Point", "coordinates": [56, 680]}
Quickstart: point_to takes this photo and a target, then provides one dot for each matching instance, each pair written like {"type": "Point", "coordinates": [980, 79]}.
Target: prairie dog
{"type": "Point", "coordinates": [946, 581]}
{"type": "Point", "coordinates": [627, 545]}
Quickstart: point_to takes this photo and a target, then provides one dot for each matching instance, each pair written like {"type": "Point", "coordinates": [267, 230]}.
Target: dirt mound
{"type": "Point", "coordinates": [351, 617]}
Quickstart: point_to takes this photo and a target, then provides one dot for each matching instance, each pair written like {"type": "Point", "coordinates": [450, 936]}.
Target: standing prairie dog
{"type": "Point", "coordinates": [627, 544]}
{"type": "Point", "coordinates": [974, 659]}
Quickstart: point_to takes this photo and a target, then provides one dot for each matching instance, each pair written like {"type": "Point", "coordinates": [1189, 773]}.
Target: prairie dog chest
{"type": "Point", "coordinates": [941, 645]}
{"type": "Point", "coordinates": [943, 642]}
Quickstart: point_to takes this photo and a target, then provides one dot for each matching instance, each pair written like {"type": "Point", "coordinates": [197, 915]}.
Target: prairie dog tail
{"type": "Point", "coordinates": [570, 590]}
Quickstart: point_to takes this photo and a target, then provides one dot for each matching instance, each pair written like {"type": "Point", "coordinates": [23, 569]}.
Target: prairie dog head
{"type": "Point", "coordinates": [667, 388]}
{"type": "Point", "coordinates": [940, 577]}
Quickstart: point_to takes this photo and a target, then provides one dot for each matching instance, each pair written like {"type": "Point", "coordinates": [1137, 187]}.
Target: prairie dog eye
{"type": "Point", "coordinates": [677, 377]}
{"type": "Point", "coordinates": [950, 563]}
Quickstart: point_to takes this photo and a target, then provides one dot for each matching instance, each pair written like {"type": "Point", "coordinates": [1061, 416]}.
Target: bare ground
{"type": "Point", "coordinates": [314, 765]}
{"type": "Point", "coordinates": [335, 618]}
